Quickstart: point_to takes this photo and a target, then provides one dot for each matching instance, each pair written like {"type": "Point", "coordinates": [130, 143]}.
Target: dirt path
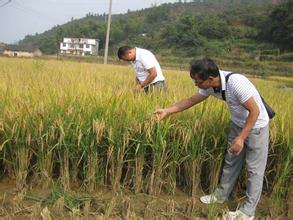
{"type": "Point", "coordinates": [52, 203]}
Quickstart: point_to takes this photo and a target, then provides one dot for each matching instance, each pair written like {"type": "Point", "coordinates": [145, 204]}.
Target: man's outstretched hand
{"type": "Point", "coordinates": [161, 113]}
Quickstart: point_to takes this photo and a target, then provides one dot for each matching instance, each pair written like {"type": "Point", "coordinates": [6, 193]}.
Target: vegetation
{"type": "Point", "coordinates": [64, 127]}
{"type": "Point", "coordinates": [186, 29]}
{"type": "Point", "coordinates": [95, 149]}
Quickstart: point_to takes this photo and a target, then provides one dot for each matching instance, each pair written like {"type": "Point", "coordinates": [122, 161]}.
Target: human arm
{"type": "Point", "coordinates": [152, 75]}
{"type": "Point", "coordinates": [180, 106]}
{"type": "Point", "coordinates": [137, 82]}
{"type": "Point", "coordinates": [137, 86]}
{"type": "Point", "coordinates": [238, 143]}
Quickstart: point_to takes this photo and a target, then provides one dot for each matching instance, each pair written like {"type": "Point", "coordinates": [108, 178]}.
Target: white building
{"type": "Point", "coordinates": [79, 46]}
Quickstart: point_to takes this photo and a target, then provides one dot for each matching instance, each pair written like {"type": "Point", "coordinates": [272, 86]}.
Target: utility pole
{"type": "Point", "coordinates": [108, 32]}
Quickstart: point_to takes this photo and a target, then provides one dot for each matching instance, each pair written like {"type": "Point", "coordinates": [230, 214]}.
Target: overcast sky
{"type": "Point", "coordinates": [22, 17]}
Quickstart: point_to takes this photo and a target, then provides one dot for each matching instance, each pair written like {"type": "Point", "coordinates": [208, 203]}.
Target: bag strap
{"type": "Point", "coordinates": [226, 80]}
{"type": "Point", "coordinates": [270, 111]}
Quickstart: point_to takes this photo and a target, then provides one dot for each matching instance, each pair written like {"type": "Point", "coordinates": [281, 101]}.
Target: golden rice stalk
{"type": "Point", "coordinates": [45, 213]}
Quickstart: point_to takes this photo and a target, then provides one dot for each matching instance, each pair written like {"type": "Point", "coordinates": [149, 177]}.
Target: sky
{"type": "Point", "coordinates": [19, 18]}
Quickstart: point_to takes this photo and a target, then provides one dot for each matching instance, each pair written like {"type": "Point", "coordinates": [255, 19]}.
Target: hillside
{"type": "Point", "coordinates": [211, 27]}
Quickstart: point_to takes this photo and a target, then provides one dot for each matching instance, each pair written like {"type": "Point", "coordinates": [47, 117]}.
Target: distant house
{"type": "Point", "coordinates": [21, 51]}
{"type": "Point", "coordinates": [79, 46]}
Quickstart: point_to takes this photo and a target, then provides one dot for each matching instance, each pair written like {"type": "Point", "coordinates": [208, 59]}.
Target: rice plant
{"type": "Point", "coordinates": [79, 125]}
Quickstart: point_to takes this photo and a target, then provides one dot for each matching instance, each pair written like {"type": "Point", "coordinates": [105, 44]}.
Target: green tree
{"type": "Point", "coordinates": [278, 28]}
{"type": "Point", "coordinates": [213, 27]}
{"type": "Point", "coordinates": [184, 34]}
{"type": "Point", "coordinates": [49, 45]}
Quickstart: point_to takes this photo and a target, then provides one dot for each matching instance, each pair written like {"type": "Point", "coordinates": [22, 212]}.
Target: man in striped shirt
{"type": "Point", "coordinates": [248, 136]}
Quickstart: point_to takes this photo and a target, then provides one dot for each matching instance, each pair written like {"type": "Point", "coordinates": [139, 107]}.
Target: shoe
{"type": "Point", "coordinates": [210, 199]}
{"type": "Point", "coordinates": [238, 215]}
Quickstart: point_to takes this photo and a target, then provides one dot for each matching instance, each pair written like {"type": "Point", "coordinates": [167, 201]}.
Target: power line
{"type": "Point", "coordinates": [32, 12]}
{"type": "Point", "coordinates": [6, 3]}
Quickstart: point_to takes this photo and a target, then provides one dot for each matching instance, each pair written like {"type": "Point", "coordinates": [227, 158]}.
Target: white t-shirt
{"type": "Point", "coordinates": [238, 90]}
{"type": "Point", "coordinates": [146, 60]}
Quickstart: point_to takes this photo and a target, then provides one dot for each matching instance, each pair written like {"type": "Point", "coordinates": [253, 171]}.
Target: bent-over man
{"type": "Point", "coordinates": [248, 137]}
{"type": "Point", "coordinates": [149, 75]}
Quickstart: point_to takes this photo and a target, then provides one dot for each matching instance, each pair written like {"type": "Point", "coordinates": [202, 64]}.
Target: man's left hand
{"type": "Point", "coordinates": [237, 146]}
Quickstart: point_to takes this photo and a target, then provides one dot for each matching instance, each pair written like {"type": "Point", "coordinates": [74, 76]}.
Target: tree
{"type": "Point", "coordinates": [213, 27]}
{"type": "Point", "coordinates": [184, 34]}
{"type": "Point", "coordinates": [278, 28]}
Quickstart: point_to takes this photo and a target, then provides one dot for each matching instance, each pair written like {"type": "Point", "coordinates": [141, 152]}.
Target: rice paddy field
{"type": "Point", "coordinates": [76, 143]}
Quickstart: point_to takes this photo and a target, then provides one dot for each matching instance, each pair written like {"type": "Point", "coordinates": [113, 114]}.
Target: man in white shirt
{"type": "Point", "coordinates": [149, 74]}
{"type": "Point", "coordinates": [249, 131]}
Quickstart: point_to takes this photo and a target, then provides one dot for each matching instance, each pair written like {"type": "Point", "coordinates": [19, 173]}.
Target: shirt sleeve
{"type": "Point", "coordinates": [148, 60]}
{"type": "Point", "coordinates": [203, 92]}
{"type": "Point", "coordinates": [241, 87]}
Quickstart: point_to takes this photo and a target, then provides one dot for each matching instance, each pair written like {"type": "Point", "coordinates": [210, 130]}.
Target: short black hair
{"type": "Point", "coordinates": [123, 50]}
{"type": "Point", "coordinates": [204, 68]}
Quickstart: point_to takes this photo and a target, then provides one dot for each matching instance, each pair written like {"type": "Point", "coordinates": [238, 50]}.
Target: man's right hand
{"type": "Point", "coordinates": [161, 113]}
{"type": "Point", "coordinates": [136, 89]}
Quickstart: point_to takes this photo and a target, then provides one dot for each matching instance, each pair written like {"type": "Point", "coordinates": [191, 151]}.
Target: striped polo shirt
{"type": "Point", "coordinates": [238, 90]}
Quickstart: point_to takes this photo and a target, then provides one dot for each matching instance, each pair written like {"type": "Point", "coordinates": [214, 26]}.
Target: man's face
{"type": "Point", "coordinates": [202, 84]}
{"type": "Point", "coordinates": [129, 56]}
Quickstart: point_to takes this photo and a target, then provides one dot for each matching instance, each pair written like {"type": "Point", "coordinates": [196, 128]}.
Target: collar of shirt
{"type": "Point", "coordinates": [223, 80]}
{"type": "Point", "coordinates": [223, 83]}
{"type": "Point", "coordinates": [136, 54]}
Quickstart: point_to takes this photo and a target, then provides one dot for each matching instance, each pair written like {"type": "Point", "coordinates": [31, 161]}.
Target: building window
{"type": "Point", "coordinates": [64, 44]}
{"type": "Point", "coordinates": [81, 46]}
{"type": "Point", "coordinates": [87, 46]}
